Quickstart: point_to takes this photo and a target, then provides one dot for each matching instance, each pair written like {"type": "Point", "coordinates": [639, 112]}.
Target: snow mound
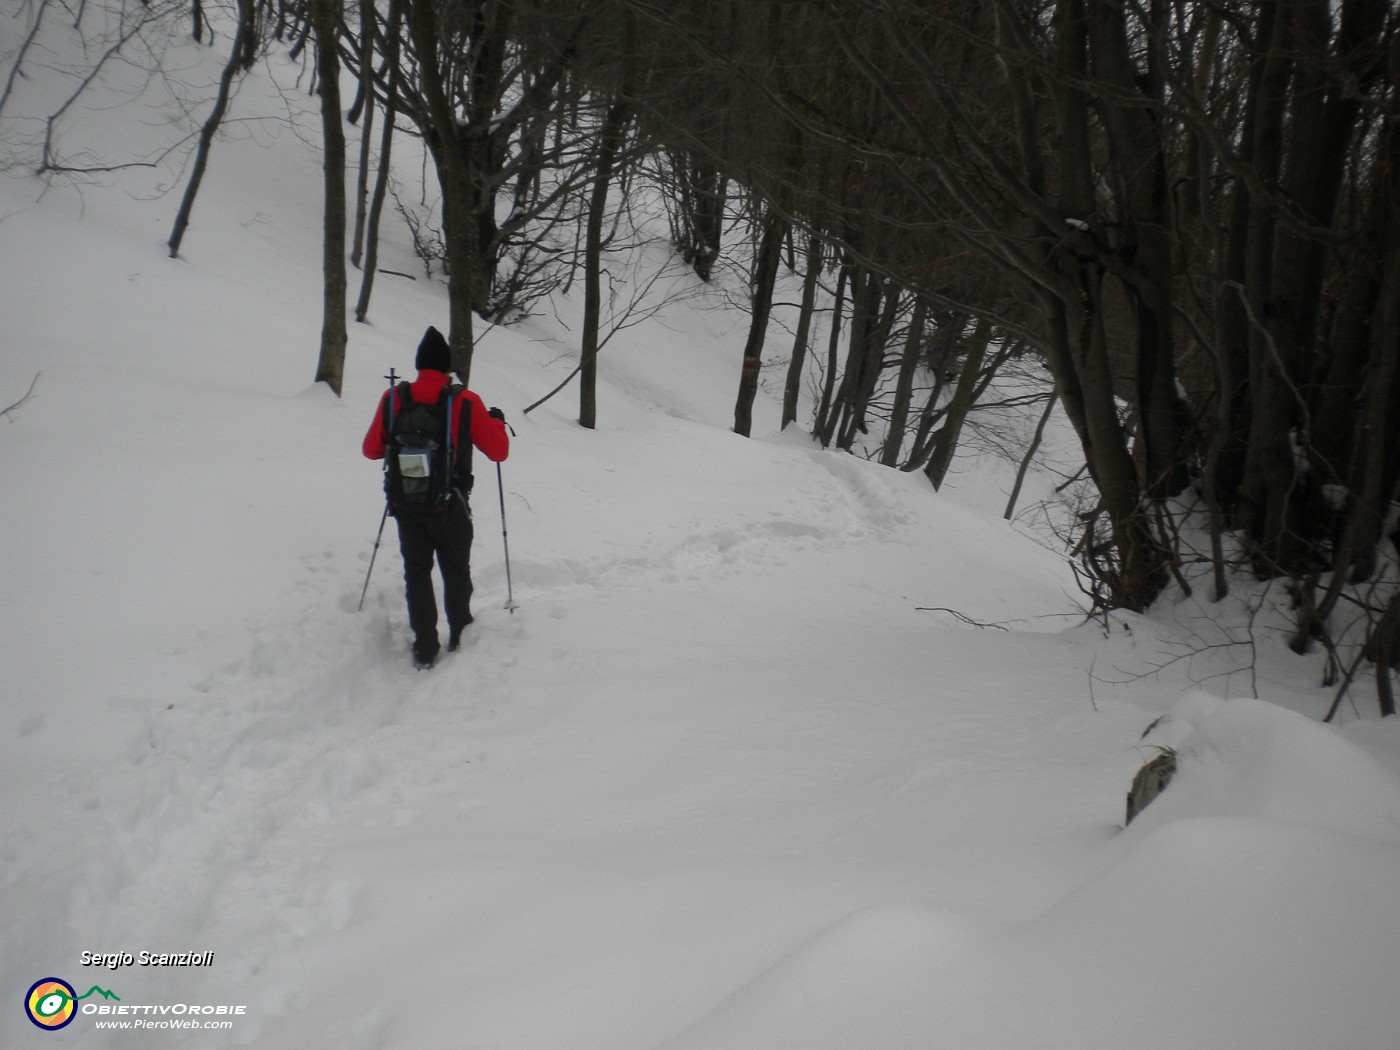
{"type": "Point", "coordinates": [872, 972]}
{"type": "Point", "coordinates": [1267, 853]}
{"type": "Point", "coordinates": [1252, 760]}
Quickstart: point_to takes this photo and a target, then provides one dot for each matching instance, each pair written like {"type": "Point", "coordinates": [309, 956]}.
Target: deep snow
{"type": "Point", "coordinates": [718, 783]}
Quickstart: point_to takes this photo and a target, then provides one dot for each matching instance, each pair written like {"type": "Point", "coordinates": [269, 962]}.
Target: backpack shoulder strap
{"type": "Point", "coordinates": [459, 425]}
{"type": "Point", "coordinates": [447, 397]}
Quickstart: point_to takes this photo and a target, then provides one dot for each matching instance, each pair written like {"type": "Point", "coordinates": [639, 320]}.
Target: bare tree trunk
{"type": "Point", "coordinates": [609, 146]}
{"type": "Point", "coordinates": [865, 292]}
{"type": "Point", "coordinates": [904, 386]}
{"type": "Point", "coordinates": [868, 359]}
{"type": "Point", "coordinates": [211, 125]}
{"type": "Point", "coordinates": [1267, 489]}
{"type": "Point", "coordinates": [1076, 339]}
{"type": "Point", "coordinates": [765, 275]}
{"type": "Point", "coordinates": [330, 369]}
{"type": "Point", "coordinates": [823, 424]}
{"type": "Point", "coordinates": [1383, 649]}
{"type": "Point", "coordinates": [945, 442]}
{"type": "Point", "coordinates": [381, 181]}
{"type": "Point", "coordinates": [446, 141]}
{"type": "Point", "coordinates": [701, 192]}
{"type": "Point", "coordinates": [366, 102]}
{"type": "Point", "coordinates": [1378, 429]}
{"type": "Point", "coordinates": [792, 388]}
{"type": "Point", "coordinates": [1031, 450]}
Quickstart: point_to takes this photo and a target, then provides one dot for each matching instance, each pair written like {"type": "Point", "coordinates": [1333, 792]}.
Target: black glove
{"type": "Point", "coordinates": [496, 413]}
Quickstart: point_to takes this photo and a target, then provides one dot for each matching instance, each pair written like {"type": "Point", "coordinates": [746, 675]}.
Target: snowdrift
{"type": "Point", "coordinates": [1266, 856]}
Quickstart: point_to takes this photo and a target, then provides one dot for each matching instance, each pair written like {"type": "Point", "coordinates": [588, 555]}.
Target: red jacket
{"type": "Point", "coordinates": [489, 435]}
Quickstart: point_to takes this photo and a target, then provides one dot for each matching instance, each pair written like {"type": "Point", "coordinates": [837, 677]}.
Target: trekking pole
{"type": "Point", "coordinates": [379, 535]}
{"type": "Point", "coordinates": [373, 555]}
{"type": "Point", "coordinates": [501, 491]}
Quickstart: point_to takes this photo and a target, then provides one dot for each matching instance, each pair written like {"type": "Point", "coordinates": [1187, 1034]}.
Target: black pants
{"type": "Point", "coordinates": [448, 537]}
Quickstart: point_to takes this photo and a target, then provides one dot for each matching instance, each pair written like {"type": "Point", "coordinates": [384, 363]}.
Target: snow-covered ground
{"type": "Point", "coordinates": [722, 781]}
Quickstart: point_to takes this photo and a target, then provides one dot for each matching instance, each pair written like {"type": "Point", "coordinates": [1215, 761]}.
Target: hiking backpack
{"type": "Point", "coordinates": [419, 453]}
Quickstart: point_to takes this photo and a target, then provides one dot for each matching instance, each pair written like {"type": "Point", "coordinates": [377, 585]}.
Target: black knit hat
{"type": "Point", "coordinates": [433, 352]}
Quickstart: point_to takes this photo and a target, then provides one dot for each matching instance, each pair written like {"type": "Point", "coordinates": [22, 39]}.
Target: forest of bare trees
{"type": "Point", "coordinates": [1188, 211]}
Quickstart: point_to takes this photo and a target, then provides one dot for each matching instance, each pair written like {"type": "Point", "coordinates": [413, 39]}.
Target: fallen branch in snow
{"type": "Point", "coordinates": [964, 618]}
{"type": "Point", "coordinates": [28, 394]}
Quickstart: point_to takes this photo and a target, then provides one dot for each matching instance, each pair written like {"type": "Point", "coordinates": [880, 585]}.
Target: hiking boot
{"type": "Point", "coordinates": [424, 655]}
{"type": "Point", "coordinates": [454, 641]}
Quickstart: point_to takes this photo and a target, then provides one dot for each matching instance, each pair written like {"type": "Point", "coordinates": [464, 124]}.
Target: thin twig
{"type": "Point", "coordinates": [28, 394]}
{"type": "Point", "coordinates": [618, 324]}
{"type": "Point", "coordinates": [23, 51]}
{"type": "Point", "coordinates": [961, 616]}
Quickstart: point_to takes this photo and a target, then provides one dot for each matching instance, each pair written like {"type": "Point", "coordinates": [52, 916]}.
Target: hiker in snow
{"type": "Point", "coordinates": [425, 431]}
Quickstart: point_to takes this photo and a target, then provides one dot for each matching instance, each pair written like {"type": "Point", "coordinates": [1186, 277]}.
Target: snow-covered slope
{"type": "Point", "coordinates": [727, 778]}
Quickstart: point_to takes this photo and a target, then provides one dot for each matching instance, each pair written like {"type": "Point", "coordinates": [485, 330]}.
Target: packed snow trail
{"type": "Point", "coordinates": [654, 741]}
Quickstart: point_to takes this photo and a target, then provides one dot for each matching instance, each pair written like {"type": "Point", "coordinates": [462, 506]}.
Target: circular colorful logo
{"type": "Point", "coordinates": [51, 1003]}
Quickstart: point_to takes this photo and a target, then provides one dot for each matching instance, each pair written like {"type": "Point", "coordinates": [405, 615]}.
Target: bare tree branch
{"type": "Point", "coordinates": [28, 394]}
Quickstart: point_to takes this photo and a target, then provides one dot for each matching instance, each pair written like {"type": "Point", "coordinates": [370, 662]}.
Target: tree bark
{"type": "Point", "coordinates": [904, 384]}
{"type": "Point", "coordinates": [823, 423]}
{"type": "Point", "coordinates": [964, 396]}
{"type": "Point", "coordinates": [381, 179]}
{"type": "Point", "coordinates": [330, 368]}
{"type": "Point", "coordinates": [366, 103]}
{"type": "Point", "coordinates": [1142, 253]}
{"type": "Point", "coordinates": [610, 142]}
{"type": "Point", "coordinates": [869, 361]}
{"type": "Point", "coordinates": [792, 387]}
{"type": "Point", "coordinates": [765, 275]}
